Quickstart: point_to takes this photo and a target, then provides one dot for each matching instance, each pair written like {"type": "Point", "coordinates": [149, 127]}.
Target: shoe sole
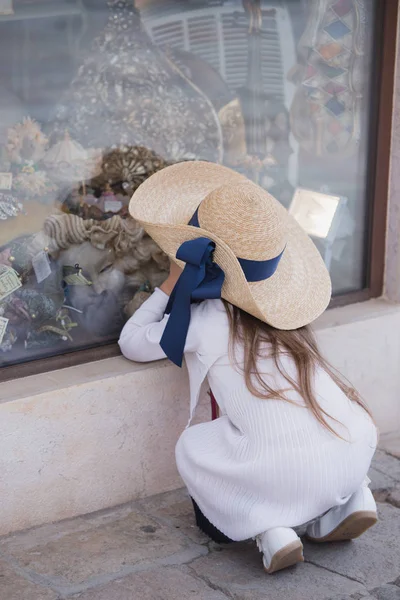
{"type": "Point", "coordinates": [288, 556]}
{"type": "Point", "coordinates": [349, 529]}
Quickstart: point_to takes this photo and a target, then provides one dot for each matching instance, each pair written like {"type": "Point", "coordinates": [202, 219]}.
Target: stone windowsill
{"type": "Point", "coordinates": [118, 366]}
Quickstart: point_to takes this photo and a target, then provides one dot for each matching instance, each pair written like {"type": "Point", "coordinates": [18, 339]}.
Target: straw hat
{"type": "Point", "coordinates": [244, 221]}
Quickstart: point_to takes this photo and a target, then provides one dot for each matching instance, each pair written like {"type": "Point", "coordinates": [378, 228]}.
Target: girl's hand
{"type": "Point", "coordinates": [174, 274]}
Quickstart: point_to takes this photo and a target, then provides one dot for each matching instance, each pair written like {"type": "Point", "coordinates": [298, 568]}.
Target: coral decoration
{"type": "Point", "coordinates": [26, 142]}
{"type": "Point", "coordinates": [31, 183]}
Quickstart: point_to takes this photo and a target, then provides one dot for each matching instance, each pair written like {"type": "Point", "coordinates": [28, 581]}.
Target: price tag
{"type": "Point", "coordinates": [112, 206]}
{"type": "Point", "coordinates": [41, 266]}
{"type": "Point", "coordinates": [3, 327]}
{"type": "Point", "coordinates": [9, 281]}
{"type": "Point", "coordinates": [6, 181]}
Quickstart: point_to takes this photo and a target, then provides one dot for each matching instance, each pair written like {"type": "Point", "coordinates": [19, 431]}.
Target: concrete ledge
{"type": "Point", "coordinates": [80, 447]}
{"type": "Point", "coordinates": [362, 342]}
{"type": "Point", "coordinates": [94, 436]}
{"type": "Point", "coordinates": [352, 313]}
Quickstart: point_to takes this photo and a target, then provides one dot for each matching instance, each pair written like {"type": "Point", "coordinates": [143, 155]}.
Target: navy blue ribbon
{"type": "Point", "coordinates": [201, 279]}
{"type": "Point", "coordinates": [254, 270]}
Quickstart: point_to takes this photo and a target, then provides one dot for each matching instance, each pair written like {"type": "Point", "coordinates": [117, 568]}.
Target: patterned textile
{"type": "Point", "coordinates": [325, 114]}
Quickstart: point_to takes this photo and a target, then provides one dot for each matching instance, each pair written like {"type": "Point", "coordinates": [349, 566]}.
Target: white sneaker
{"type": "Point", "coordinates": [281, 548]}
{"type": "Point", "coordinates": [347, 521]}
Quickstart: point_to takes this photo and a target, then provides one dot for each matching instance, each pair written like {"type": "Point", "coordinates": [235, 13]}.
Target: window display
{"type": "Point", "coordinates": [96, 96]}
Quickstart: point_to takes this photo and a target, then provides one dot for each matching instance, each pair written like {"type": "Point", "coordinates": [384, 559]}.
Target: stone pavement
{"type": "Point", "coordinates": [151, 550]}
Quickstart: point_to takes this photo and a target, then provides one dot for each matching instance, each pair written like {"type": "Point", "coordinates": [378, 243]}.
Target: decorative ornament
{"type": "Point", "coordinates": [55, 330]}
{"type": "Point", "coordinates": [68, 162]}
{"type": "Point", "coordinates": [40, 307]}
{"type": "Point", "coordinates": [9, 206]}
{"type": "Point", "coordinates": [32, 184]}
{"type": "Point", "coordinates": [74, 276]}
{"type": "Point", "coordinates": [65, 230]}
{"type": "Point", "coordinates": [45, 337]}
{"type": "Point", "coordinates": [126, 167]}
{"type": "Point", "coordinates": [26, 142]}
{"type": "Point", "coordinates": [108, 201]}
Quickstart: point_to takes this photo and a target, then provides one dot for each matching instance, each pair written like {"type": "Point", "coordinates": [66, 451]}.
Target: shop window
{"type": "Point", "coordinates": [95, 96]}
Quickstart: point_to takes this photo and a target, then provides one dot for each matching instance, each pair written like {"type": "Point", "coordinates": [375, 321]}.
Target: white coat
{"type": "Point", "coordinates": [262, 463]}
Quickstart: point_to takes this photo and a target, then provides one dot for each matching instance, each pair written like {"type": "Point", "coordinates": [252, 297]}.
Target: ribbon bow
{"type": "Point", "coordinates": [201, 279]}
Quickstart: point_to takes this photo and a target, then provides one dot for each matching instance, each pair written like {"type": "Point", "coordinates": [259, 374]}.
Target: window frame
{"type": "Point", "coordinates": [383, 78]}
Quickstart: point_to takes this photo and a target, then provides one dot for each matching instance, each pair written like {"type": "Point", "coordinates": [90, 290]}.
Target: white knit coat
{"type": "Point", "coordinates": [263, 463]}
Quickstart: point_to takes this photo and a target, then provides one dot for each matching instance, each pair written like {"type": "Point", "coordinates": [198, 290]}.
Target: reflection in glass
{"type": "Point", "coordinates": [96, 96]}
{"type": "Point", "coordinates": [314, 211]}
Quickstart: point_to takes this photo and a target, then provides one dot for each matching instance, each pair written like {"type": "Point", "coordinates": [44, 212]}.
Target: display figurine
{"type": "Point", "coordinates": [69, 163]}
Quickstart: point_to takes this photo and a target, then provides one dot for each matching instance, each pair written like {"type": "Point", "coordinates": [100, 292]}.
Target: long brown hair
{"type": "Point", "coordinates": [253, 335]}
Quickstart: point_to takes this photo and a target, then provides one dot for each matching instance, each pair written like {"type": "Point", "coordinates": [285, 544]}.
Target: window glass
{"type": "Point", "coordinates": [96, 96]}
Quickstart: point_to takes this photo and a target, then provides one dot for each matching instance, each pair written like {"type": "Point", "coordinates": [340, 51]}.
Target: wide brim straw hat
{"type": "Point", "coordinates": [245, 222]}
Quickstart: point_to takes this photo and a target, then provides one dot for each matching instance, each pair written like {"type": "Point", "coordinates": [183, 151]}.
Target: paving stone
{"type": "Point", "coordinates": [386, 464]}
{"type": "Point", "coordinates": [391, 445]}
{"type": "Point", "coordinates": [15, 587]}
{"type": "Point", "coordinates": [387, 592]}
{"type": "Point", "coordinates": [105, 547]}
{"type": "Point", "coordinates": [159, 584]}
{"type": "Point", "coordinates": [381, 484]}
{"type": "Point", "coordinates": [356, 596]}
{"type": "Point", "coordinates": [175, 509]}
{"type": "Point", "coordinates": [237, 571]}
{"type": "Point", "coordinates": [373, 559]}
{"type": "Point", "coordinates": [394, 498]}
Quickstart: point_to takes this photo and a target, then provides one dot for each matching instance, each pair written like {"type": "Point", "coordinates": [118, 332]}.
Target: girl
{"type": "Point", "coordinates": [293, 443]}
